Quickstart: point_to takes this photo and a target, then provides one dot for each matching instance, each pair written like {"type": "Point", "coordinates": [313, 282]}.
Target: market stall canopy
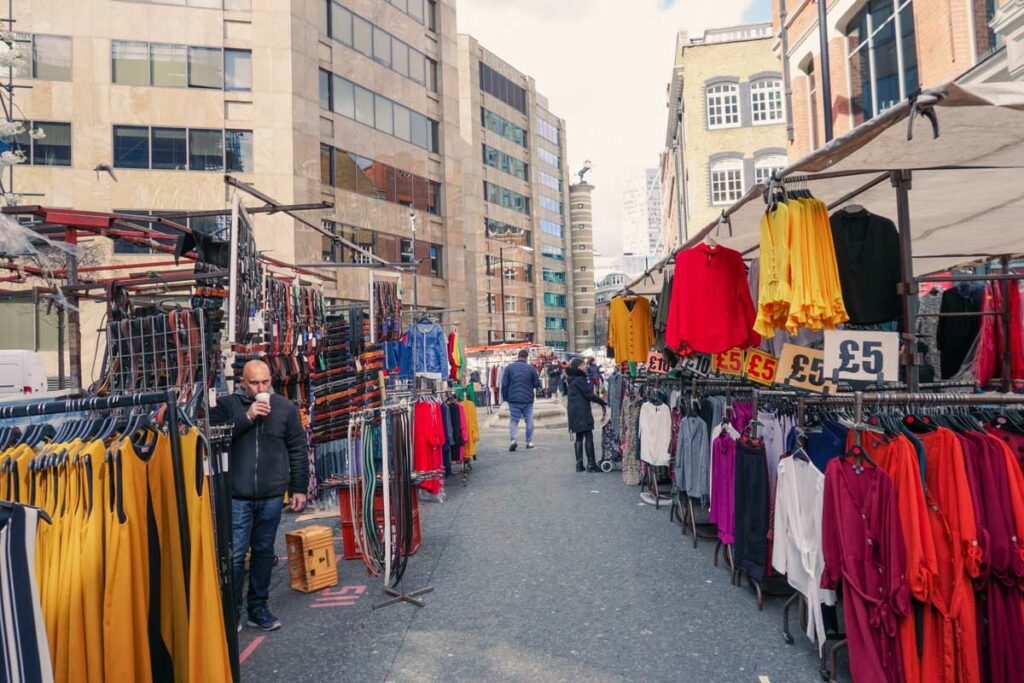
{"type": "Point", "coordinates": [967, 196]}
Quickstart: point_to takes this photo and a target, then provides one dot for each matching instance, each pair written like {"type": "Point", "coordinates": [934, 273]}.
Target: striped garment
{"type": "Point", "coordinates": [24, 651]}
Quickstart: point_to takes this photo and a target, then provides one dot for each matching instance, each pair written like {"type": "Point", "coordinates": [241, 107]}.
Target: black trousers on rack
{"type": "Point", "coordinates": [750, 551]}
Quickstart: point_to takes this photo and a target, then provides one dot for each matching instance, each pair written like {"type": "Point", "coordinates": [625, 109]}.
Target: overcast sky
{"type": "Point", "coordinates": [604, 69]}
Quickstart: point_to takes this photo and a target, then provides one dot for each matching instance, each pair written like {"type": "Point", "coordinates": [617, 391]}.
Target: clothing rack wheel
{"type": "Point", "coordinates": [786, 635]}
{"type": "Point", "coordinates": [758, 590]}
{"type": "Point", "coordinates": [834, 660]}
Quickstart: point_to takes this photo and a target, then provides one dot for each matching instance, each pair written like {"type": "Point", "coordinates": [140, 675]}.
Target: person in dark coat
{"type": "Point", "coordinates": [581, 419]}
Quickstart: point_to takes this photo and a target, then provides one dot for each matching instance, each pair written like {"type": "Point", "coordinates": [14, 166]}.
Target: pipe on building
{"type": "Point", "coordinates": [787, 83]}
{"type": "Point", "coordinates": [826, 73]}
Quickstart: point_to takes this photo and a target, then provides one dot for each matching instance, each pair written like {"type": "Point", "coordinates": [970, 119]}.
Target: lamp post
{"type": "Point", "coordinates": [501, 266]}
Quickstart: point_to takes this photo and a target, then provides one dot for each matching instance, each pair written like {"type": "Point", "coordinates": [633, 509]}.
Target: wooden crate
{"type": "Point", "coordinates": [311, 561]}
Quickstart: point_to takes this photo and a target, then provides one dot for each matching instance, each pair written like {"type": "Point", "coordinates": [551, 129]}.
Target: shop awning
{"type": "Point", "coordinates": [967, 196]}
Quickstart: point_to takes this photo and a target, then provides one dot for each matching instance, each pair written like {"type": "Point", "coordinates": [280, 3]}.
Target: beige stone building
{"type": "Point", "coordinates": [581, 213]}
{"type": "Point", "coordinates": [515, 206]}
{"type": "Point", "coordinates": [356, 102]}
{"type": "Point", "coordinates": [725, 128]}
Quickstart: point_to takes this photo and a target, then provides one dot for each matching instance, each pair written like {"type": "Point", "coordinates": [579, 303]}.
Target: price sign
{"type": "Point", "coordinates": [862, 355]}
{"type": "Point", "coordinates": [803, 368]}
{"type": "Point", "coordinates": [728, 362]}
{"type": "Point", "coordinates": [698, 364]}
{"type": "Point", "coordinates": [657, 364]}
{"type": "Point", "coordinates": [760, 367]}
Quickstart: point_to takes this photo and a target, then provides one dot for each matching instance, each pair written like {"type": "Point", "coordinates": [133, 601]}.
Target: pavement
{"type": "Point", "coordinates": [539, 574]}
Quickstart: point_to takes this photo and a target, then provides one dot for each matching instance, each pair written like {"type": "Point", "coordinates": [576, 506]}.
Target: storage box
{"type": "Point", "coordinates": [311, 560]}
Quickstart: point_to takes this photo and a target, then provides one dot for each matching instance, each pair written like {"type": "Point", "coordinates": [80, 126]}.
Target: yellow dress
{"type": "Point", "coordinates": [92, 559]}
{"type": "Point", "coordinates": [473, 428]}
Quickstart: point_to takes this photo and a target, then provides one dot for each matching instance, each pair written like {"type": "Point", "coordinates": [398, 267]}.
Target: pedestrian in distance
{"type": "Point", "coordinates": [581, 418]}
{"type": "Point", "coordinates": [268, 458]}
{"type": "Point", "coordinates": [519, 384]}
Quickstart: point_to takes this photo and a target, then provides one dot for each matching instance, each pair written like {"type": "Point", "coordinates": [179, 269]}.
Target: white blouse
{"type": "Point", "coordinates": [655, 433]}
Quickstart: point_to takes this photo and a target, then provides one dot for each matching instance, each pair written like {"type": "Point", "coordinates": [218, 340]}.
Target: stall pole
{"type": "Point", "coordinates": [826, 76]}
{"type": "Point", "coordinates": [901, 180]}
{"type": "Point", "coordinates": [61, 384]}
{"type": "Point", "coordinates": [1004, 262]}
{"type": "Point", "coordinates": [74, 320]}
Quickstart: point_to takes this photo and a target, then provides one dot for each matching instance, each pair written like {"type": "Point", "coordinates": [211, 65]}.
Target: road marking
{"type": "Point", "coordinates": [343, 597]}
{"type": "Point", "coordinates": [763, 679]}
{"type": "Point", "coordinates": [250, 648]}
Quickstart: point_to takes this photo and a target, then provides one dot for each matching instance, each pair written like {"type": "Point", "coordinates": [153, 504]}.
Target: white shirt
{"type": "Point", "coordinates": [655, 433]}
{"type": "Point", "coordinates": [796, 549]}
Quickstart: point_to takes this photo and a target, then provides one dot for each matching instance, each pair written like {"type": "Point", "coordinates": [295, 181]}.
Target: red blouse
{"type": "Point", "coordinates": [711, 309]}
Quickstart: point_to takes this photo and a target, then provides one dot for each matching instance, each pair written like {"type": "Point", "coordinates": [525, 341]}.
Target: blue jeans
{"type": "Point", "coordinates": [516, 412]}
{"type": "Point", "coordinates": [254, 525]}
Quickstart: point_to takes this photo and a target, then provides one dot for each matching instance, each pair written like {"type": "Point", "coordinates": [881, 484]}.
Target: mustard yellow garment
{"type": "Point", "coordinates": [93, 559]}
{"type": "Point", "coordinates": [472, 428]}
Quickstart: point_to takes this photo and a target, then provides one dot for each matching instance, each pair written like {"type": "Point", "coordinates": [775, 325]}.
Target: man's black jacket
{"type": "Point", "coordinates": [268, 455]}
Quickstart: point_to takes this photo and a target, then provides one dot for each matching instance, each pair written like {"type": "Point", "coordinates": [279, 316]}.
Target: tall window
{"type": "Point", "coordinates": [726, 181]}
{"type": "Point", "coordinates": [766, 165]}
{"type": "Point", "coordinates": [51, 57]}
{"type": "Point", "coordinates": [723, 105]}
{"type": "Point", "coordinates": [812, 104]}
{"type": "Point", "coordinates": [882, 54]}
{"type": "Point", "coordinates": [766, 100]}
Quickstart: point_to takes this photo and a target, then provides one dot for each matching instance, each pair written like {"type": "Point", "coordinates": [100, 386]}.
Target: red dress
{"type": "Point", "coordinates": [711, 309]}
{"type": "Point", "coordinates": [429, 437]}
{"type": "Point", "coordinates": [862, 543]}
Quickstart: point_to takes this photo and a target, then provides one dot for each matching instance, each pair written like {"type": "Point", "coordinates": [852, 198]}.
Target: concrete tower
{"type": "Point", "coordinates": [581, 218]}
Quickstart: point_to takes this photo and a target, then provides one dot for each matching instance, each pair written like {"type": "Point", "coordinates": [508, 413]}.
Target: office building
{"type": "Point", "coordinates": [641, 215]}
{"type": "Point", "coordinates": [518, 261]}
{"type": "Point", "coordinates": [726, 125]}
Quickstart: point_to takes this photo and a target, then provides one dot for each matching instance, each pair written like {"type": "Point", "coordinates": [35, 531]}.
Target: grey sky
{"type": "Point", "coordinates": [604, 69]}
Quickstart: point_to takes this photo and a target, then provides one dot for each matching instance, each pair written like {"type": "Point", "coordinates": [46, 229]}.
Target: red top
{"type": "Point", "coordinates": [711, 310]}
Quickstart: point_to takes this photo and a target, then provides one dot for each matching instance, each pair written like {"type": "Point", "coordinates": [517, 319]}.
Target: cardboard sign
{"type": "Point", "coordinates": [729, 362]}
{"type": "Point", "coordinates": [863, 355]}
{"type": "Point", "coordinates": [803, 368]}
{"type": "Point", "coordinates": [760, 367]}
{"type": "Point", "coordinates": [657, 364]}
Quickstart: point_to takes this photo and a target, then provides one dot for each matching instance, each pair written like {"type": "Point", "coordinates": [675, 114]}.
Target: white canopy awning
{"type": "Point", "coordinates": [967, 193]}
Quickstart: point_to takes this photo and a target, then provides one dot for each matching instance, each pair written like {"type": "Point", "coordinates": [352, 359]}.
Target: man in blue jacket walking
{"type": "Point", "coordinates": [519, 383]}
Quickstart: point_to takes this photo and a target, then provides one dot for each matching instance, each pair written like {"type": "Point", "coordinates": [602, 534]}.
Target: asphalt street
{"type": "Point", "coordinates": [539, 574]}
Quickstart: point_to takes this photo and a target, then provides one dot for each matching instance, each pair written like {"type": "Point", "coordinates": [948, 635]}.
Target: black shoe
{"type": "Point", "coordinates": [579, 467]}
{"type": "Point", "coordinates": [262, 619]}
{"type": "Point", "coordinates": [592, 468]}
{"type": "Point", "coordinates": [512, 446]}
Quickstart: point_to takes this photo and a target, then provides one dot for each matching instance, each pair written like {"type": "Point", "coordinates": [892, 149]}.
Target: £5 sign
{"type": "Point", "coordinates": [864, 355]}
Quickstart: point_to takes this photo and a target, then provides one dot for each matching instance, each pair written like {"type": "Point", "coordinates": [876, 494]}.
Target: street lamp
{"type": "Point", "coordinates": [501, 266]}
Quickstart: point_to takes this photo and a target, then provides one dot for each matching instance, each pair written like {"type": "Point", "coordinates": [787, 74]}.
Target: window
{"type": "Point", "coordinates": [354, 173]}
{"type": "Point", "coordinates": [356, 102]}
{"type": "Point", "coordinates": [551, 227]}
{"type": "Point", "coordinates": [54, 149]}
{"type": "Point", "coordinates": [555, 276]}
{"type": "Point", "coordinates": [553, 300]}
{"type": "Point", "coordinates": [507, 233]}
{"type": "Point", "coordinates": [129, 63]}
{"type": "Point", "coordinates": [547, 130]}
{"type": "Point", "coordinates": [131, 147]}
{"type": "Point", "coordinates": [584, 291]}
{"type": "Point", "coordinates": [766, 165]}
{"type": "Point", "coordinates": [723, 105]}
{"type": "Point", "coordinates": [432, 15]}
{"type": "Point", "coordinates": [503, 127]}
{"type": "Point", "coordinates": [169, 148]}
{"type": "Point", "coordinates": [552, 323]}
{"type": "Point", "coordinates": [238, 147]}
{"type": "Point", "coordinates": [550, 181]}
{"type": "Point", "coordinates": [435, 261]}
{"type": "Point", "coordinates": [882, 55]}
{"type": "Point", "coordinates": [510, 304]}
{"type": "Point", "coordinates": [51, 58]}
{"type": "Point", "coordinates": [362, 35]}
{"type": "Point", "coordinates": [552, 205]}
{"type": "Point", "coordinates": [238, 70]}
{"type": "Point", "coordinates": [327, 165]}
{"type": "Point", "coordinates": [507, 163]}
{"type": "Point", "coordinates": [549, 158]}
{"type": "Point", "coordinates": [414, 8]}
{"type": "Point", "coordinates": [206, 150]}
{"type": "Point", "coordinates": [405, 251]}
{"type": "Point", "coordinates": [360, 257]}
{"type": "Point", "coordinates": [507, 198]}
{"type": "Point", "coordinates": [168, 66]}
{"type": "Point", "coordinates": [341, 24]}
{"type": "Point", "coordinates": [124, 247]}
{"type": "Point", "coordinates": [585, 311]}
{"type": "Point", "coordinates": [381, 46]}
{"type": "Point", "coordinates": [205, 67]}
{"type": "Point", "coordinates": [726, 181]}
{"type": "Point", "coordinates": [493, 83]}
{"type": "Point", "coordinates": [551, 251]}
{"type": "Point", "coordinates": [766, 100]}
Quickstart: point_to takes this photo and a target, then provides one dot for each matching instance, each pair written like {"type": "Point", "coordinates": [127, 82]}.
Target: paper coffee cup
{"type": "Point", "coordinates": [263, 397]}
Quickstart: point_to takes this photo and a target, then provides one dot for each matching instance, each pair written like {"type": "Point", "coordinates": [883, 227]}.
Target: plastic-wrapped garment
{"type": "Point", "coordinates": [610, 447]}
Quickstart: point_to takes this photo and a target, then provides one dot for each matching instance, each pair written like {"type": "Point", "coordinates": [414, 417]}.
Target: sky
{"type": "Point", "coordinates": [604, 69]}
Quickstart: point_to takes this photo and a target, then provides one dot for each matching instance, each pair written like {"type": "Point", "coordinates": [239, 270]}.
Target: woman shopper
{"type": "Point", "coordinates": [581, 419]}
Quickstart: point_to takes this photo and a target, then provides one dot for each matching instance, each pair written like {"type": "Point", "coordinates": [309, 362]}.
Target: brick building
{"type": "Point", "coordinates": [880, 52]}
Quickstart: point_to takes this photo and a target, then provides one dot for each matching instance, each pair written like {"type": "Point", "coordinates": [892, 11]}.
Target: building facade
{"type": "Point", "coordinates": [581, 218]}
{"type": "Point", "coordinates": [515, 206]}
{"type": "Point", "coordinates": [641, 215]}
{"type": "Point", "coordinates": [880, 52]}
{"type": "Point", "coordinates": [726, 125]}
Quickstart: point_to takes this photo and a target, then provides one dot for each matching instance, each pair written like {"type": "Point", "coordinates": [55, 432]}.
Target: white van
{"type": "Point", "coordinates": [22, 373]}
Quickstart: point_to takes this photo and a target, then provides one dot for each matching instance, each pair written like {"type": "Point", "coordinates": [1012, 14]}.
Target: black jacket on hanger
{"type": "Point", "coordinates": [868, 255]}
{"type": "Point", "coordinates": [955, 336]}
